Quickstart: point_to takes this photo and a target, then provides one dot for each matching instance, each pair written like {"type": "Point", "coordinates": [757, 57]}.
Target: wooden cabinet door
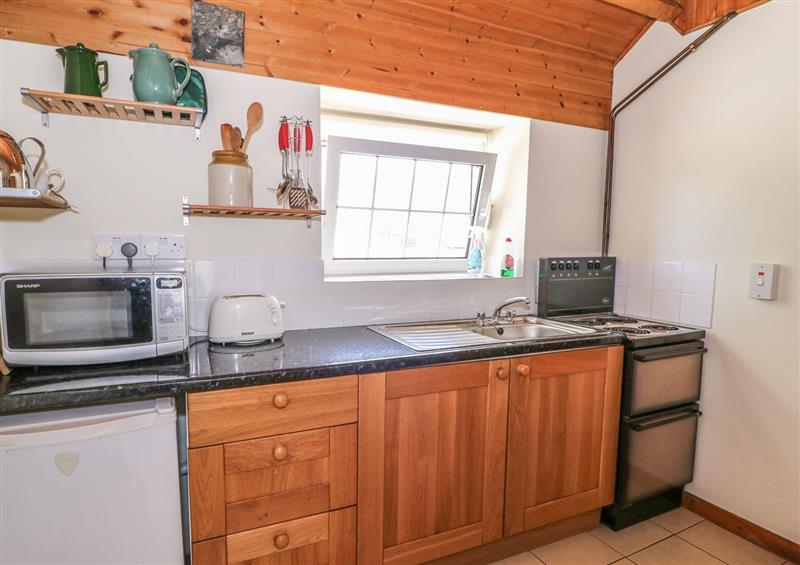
{"type": "Point", "coordinates": [431, 461]}
{"type": "Point", "coordinates": [562, 435]}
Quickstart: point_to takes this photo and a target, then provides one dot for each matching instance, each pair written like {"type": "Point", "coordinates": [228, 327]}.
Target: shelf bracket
{"type": "Point", "coordinates": [185, 209]}
{"type": "Point", "coordinates": [45, 115]}
{"type": "Point", "coordinates": [198, 121]}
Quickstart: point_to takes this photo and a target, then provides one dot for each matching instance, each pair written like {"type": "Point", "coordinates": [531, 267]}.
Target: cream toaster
{"type": "Point", "coordinates": [245, 319]}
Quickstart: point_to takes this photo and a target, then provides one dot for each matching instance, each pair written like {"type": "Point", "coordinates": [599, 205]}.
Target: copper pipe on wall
{"type": "Point", "coordinates": [625, 102]}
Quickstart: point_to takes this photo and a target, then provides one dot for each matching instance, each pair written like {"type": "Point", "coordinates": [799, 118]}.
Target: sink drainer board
{"type": "Point", "coordinates": [441, 337]}
{"type": "Point", "coordinates": [465, 333]}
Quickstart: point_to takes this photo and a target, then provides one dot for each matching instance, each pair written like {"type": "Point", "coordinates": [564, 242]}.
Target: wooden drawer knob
{"type": "Point", "coordinates": [280, 400]}
{"type": "Point", "coordinates": [501, 373]}
{"type": "Point", "coordinates": [523, 370]}
{"type": "Point", "coordinates": [279, 452]}
{"type": "Point", "coordinates": [281, 540]}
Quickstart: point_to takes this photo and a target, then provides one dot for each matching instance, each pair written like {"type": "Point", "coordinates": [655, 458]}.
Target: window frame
{"type": "Point", "coordinates": [336, 145]}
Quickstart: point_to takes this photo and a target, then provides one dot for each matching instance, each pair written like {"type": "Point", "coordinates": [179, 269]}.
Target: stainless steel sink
{"type": "Point", "coordinates": [468, 333]}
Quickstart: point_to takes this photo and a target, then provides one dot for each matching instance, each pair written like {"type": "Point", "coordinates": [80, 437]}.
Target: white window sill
{"type": "Point", "coordinates": [413, 277]}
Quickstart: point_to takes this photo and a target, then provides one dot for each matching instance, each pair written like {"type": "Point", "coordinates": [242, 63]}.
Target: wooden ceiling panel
{"type": "Point", "coordinates": [546, 59]}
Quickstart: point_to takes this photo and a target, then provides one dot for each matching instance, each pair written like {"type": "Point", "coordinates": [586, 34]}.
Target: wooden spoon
{"type": "Point", "coordinates": [226, 131]}
{"type": "Point", "coordinates": [236, 139]}
{"type": "Point", "coordinates": [255, 117]}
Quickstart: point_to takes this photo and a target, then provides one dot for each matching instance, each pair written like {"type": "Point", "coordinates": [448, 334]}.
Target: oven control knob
{"type": "Point", "coordinates": [569, 265]}
{"type": "Point", "coordinates": [561, 265]}
{"type": "Point", "coordinates": [553, 266]}
{"type": "Point", "coordinates": [576, 265]}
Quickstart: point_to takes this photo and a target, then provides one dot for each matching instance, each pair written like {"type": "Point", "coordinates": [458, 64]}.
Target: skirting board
{"type": "Point", "coordinates": [743, 528]}
{"type": "Point", "coordinates": [519, 543]}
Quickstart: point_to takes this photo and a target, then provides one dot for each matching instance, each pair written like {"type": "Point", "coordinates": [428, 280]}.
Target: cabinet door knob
{"type": "Point", "coordinates": [280, 400]}
{"type": "Point", "coordinates": [523, 370]}
{"type": "Point", "coordinates": [279, 452]}
{"type": "Point", "coordinates": [501, 373]}
{"type": "Point", "coordinates": [281, 540]}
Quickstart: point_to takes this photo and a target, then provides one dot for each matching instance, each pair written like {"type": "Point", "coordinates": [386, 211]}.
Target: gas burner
{"type": "Point", "coordinates": [629, 331]}
{"type": "Point", "coordinates": [659, 328]}
{"type": "Point", "coordinates": [592, 322]}
{"type": "Point", "coordinates": [620, 320]}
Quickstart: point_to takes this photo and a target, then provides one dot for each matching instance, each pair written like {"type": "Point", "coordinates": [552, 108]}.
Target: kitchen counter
{"type": "Point", "coordinates": [303, 354]}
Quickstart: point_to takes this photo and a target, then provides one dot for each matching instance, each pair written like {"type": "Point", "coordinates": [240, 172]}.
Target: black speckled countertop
{"type": "Point", "coordinates": [304, 354]}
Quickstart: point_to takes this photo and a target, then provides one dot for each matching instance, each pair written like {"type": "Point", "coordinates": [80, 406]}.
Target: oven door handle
{"type": "Point", "coordinates": [692, 413]}
{"type": "Point", "coordinates": [658, 356]}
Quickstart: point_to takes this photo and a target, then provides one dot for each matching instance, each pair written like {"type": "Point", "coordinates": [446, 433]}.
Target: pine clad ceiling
{"type": "Point", "coordinates": [546, 59]}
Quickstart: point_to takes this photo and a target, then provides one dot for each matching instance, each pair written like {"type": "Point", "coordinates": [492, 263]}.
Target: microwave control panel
{"type": "Point", "coordinates": [170, 308]}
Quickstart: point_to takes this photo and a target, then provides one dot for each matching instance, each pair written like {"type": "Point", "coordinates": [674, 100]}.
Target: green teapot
{"type": "Point", "coordinates": [154, 75]}
{"type": "Point", "coordinates": [81, 70]}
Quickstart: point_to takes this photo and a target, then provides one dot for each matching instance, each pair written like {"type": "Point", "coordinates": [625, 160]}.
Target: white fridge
{"type": "Point", "coordinates": [94, 485]}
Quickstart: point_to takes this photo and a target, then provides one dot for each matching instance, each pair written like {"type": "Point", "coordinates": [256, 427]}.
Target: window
{"type": "Point", "coordinates": [401, 208]}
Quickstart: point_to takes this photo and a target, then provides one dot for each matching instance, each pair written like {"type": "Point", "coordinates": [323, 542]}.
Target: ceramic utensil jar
{"type": "Point", "coordinates": [82, 70]}
{"type": "Point", "coordinates": [230, 179]}
{"type": "Point", "coordinates": [154, 75]}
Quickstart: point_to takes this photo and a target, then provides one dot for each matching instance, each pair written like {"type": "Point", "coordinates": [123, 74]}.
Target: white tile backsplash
{"type": "Point", "coordinates": [699, 278]}
{"type": "Point", "coordinates": [667, 276]}
{"type": "Point", "coordinates": [640, 274]}
{"type": "Point", "coordinates": [670, 291]}
{"type": "Point", "coordinates": [666, 306]}
{"type": "Point", "coordinates": [637, 302]}
{"type": "Point", "coordinates": [696, 310]}
{"type": "Point", "coordinates": [212, 278]}
{"type": "Point", "coordinates": [621, 274]}
{"type": "Point", "coordinates": [254, 276]}
{"type": "Point", "coordinates": [620, 299]}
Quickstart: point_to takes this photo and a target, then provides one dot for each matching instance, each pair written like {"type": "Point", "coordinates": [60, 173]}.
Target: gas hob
{"type": "Point", "coordinates": [638, 332]}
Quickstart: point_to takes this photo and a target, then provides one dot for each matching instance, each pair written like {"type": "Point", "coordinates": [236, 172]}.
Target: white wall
{"type": "Point", "coordinates": [129, 177]}
{"type": "Point", "coordinates": [565, 190]}
{"type": "Point", "coordinates": [707, 171]}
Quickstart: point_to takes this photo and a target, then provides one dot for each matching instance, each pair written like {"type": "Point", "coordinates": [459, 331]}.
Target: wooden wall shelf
{"type": "Point", "coordinates": [240, 211]}
{"type": "Point", "coordinates": [24, 198]}
{"type": "Point", "coordinates": [110, 108]}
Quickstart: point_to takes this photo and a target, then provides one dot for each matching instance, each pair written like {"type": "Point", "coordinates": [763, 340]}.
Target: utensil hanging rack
{"type": "Point", "coordinates": [110, 108]}
{"type": "Point", "coordinates": [188, 209]}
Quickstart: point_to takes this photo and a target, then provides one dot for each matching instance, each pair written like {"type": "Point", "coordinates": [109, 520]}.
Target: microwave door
{"type": "Point", "coordinates": [91, 314]}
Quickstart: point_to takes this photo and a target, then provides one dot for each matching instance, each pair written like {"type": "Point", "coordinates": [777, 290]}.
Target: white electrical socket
{"type": "Point", "coordinates": [116, 241]}
{"type": "Point", "coordinates": [169, 246]}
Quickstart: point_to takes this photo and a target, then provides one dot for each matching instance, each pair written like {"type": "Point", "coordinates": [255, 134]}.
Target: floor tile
{"type": "Point", "coordinates": [623, 561]}
{"type": "Point", "coordinates": [727, 546]}
{"type": "Point", "coordinates": [526, 558]}
{"type": "Point", "coordinates": [632, 538]}
{"type": "Point", "coordinates": [677, 520]}
{"type": "Point", "coordinates": [582, 549]}
{"type": "Point", "coordinates": [673, 551]}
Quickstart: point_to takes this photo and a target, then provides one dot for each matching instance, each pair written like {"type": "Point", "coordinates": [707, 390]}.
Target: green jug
{"type": "Point", "coordinates": [82, 70]}
{"type": "Point", "coordinates": [154, 75]}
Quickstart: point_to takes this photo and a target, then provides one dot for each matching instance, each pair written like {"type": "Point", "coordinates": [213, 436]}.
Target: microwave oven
{"type": "Point", "coordinates": [91, 318]}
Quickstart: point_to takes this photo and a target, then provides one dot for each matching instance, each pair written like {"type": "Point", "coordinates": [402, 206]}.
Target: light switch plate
{"type": "Point", "coordinates": [764, 281]}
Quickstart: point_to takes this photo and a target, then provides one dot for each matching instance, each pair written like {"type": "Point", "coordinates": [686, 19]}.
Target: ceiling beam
{"type": "Point", "coordinates": [663, 10]}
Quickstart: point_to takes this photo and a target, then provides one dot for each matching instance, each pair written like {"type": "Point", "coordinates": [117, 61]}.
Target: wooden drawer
{"type": "Point", "coordinates": [322, 539]}
{"type": "Point", "coordinates": [251, 412]}
{"type": "Point", "coordinates": [283, 477]}
{"type": "Point", "coordinates": [249, 484]}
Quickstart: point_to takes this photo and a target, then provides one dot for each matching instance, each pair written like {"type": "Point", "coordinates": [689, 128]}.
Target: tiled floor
{"type": "Point", "coordinates": [679, 537]}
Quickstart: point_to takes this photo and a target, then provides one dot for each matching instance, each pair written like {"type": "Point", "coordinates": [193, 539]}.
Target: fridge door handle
{"type": "Point", "coordinates": [638, 427]}
{"type": "Point", "coordinates": [656, 356]}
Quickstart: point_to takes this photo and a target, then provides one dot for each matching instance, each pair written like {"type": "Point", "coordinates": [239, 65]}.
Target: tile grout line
{"type": "Point", "coordinates": [700, 548]}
